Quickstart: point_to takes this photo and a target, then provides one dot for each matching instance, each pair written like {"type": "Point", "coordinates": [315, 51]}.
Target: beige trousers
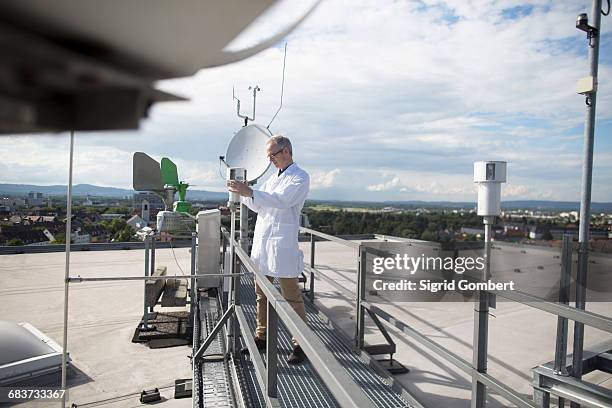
{"type": "Point", "coordinates": [290, 289]}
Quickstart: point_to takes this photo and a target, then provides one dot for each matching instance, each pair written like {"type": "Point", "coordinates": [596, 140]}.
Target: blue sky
{"type": "Point", "coordinates": [383, 100]}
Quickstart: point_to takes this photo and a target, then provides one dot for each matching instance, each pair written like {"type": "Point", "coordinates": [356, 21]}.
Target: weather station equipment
{"type": "Point", "coordinates": [172, 223]}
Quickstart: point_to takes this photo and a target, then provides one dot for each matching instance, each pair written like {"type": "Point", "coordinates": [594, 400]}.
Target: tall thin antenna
{"type": "Point", "coordinates": [282, 89]}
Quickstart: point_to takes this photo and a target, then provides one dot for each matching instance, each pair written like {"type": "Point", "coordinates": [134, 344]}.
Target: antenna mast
{"type": "Point", "coordinates": [246, 118]}
{"type": "Point", "coordinates": [282, 89]}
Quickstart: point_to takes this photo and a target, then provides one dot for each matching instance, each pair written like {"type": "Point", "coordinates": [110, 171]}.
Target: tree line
{"type": "Point", "coordinates": [431, 226]}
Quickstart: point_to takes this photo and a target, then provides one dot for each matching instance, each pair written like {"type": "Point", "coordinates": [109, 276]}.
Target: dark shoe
{"type": "Point", "coordinates": [260, 343]}
{"type": "Point", "coordinates": [297, 356]}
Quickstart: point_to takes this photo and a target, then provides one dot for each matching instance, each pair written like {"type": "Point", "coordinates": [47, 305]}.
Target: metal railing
{"type": "Point", "coordinates": [149, 246]}
{"type": "Point", "coordinates": [346, 391]}
{"type": "Point", "coordinates": [562, 310]}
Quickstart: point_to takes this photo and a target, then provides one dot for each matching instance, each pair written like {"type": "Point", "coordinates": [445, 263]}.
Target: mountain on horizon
{"type": "Point", "coordinates": [99, 191]}
{"type": "Point", "coordinates": [96, 191]}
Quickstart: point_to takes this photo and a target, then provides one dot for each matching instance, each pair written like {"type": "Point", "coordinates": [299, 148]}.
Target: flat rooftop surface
{"type": "Point", "coordinates": [110, 370]}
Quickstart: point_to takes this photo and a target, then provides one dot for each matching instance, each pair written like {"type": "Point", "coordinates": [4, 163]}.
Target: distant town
{"type": "Point", "coordinates": [35, 219]}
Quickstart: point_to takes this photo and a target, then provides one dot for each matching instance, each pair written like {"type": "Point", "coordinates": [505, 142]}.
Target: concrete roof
{"type": "Point", "coordinates": [102, 320]}
{"type": "Point", "coordinates": [103, 316]}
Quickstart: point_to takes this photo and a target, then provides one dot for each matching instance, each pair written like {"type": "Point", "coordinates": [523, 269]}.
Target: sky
{"type": "Point", "coordinates": [384, 100]}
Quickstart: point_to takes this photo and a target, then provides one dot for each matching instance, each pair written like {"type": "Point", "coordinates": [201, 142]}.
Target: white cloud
{"type": "Point", "coordinates": [323, 179]}
{"type": "Point", "coordinates": [388, 185]}
{"type": "Point", "coordinates": [377, 91]}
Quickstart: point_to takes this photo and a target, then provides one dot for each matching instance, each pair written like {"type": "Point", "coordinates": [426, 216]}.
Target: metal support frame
{"type": "Point", "coordinates": [561, 310]}
{"type": "Point", "coordinates": [578, 392]}
{"type": "Point", "coordinates": [346, 392]}
{"type": "Point", "coordinates": [231, 295]}
{"type": "Point", "coordinates": [197, 356]}
{"type": "Point", "coordinates": [149, 259]}
{"type": "Point", "coordinates": [585, 196]}
{"type": "Point", "coordinates": [236, 296]}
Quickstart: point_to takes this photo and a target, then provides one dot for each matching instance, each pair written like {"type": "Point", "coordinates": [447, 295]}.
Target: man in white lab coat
{"type": "Point", "coordinates": [278, 204]}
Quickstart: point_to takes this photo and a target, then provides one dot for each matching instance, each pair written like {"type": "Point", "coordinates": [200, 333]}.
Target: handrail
{"type": "Point", "coordinates": [343, 388]}
{"type": "Point", "coordinates": [401, 239]}
{"type": "Point", "coordinates": [330, 237]}
{"type": "Point", "coordinates": [346, 292]}
{"type": "Point", "coordinates": [449, 356]}
{"type": "Point", "coordinates": [598, 321]}
{"type": "Point", "coordinates": [592, 319]}
{"type": "Point", "coordinates": [79, 279]}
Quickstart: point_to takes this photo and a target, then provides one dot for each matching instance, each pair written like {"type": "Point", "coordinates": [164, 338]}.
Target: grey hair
{"type": "Point", "coordinates": [281, 141]}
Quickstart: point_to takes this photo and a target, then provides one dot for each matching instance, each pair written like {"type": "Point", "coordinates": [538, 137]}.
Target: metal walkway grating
{"type": "Point", "coordinates": [216, 382]}
{"type": "Point", "coordinates": [300, 386]}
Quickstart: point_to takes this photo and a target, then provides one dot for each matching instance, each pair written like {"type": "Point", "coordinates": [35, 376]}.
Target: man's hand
{"type": "Point", "coordinates": [241, 188]}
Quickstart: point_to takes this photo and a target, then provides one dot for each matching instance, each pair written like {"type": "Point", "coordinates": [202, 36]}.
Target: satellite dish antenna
{"type": "Point", "coordinates": [247, 150]}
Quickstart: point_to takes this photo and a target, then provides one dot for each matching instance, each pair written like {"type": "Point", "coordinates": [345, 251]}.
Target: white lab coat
{"type": "Point", "coordinates": [278, 204]}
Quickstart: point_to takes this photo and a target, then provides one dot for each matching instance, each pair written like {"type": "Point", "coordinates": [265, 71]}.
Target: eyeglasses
{"type": "Point", "coordinates": [274, 154]}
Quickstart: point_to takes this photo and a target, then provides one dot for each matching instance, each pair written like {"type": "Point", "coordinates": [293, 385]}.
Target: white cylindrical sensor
{"type": "Point", "coordinates": [235, 174]}
{"type": "Point", "coordinates": [489, 199]}
{"type": "Point", "coordinates": [489, 175]}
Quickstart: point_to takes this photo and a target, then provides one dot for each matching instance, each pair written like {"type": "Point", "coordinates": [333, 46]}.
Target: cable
{"type": "Point", "coordinates": [282, 89]}
{"type": "Point", "coordinates": [608, 12]}
{"type": "Point", "coordinates": [176, 260]}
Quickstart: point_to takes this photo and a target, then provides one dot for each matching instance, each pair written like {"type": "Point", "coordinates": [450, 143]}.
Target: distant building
{"type": "Point", "coordinates": [24, 235]}
{"type": "Point", "coordinates": [535, 233]}
{"type": "Point", "coordinates": [137, 223]}
{"type": "Point", "coordinates": [155, 202]}
{"type": "Point", "coordinates": [145, 211]}
{"type": "Point", "coordinates": [88, 202]}
{"type": "Point", "coordinates": [80, 238]}
{"type": "Point", "coordinates": [35, 199]}
{"type": "Point", "coordinates": [478, 232]}
{"type": "Point", "coordinates": [11, 202]}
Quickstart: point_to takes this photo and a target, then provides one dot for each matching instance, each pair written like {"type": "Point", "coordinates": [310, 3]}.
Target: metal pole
{"type": "Point", "coordinates": [236, 297]}
{"type": "Point", "coordinates": [312, 265]}
{"type": "Point", "coordinates": [481, 326]}
{"type": "Point", "coordinates": [153, 263]}
{"type": "Point", "coordinates": [272, 352]}
{"type": "Point", "coordinates": [192, 291]}
{"type": "Point", "coordinates": [244, 227]}
{"type": "Point", "coordinates": [361, 283]}
{"type": "Point", "coordinates": [564, 288]}
{"type": "Point", "coordinates": [145, 316]}
{"type": "Point", "coordinates": [585, 197]}
{"type": "Point", "coordinates": [230, 295]}
{"type": "Point", "coordinates": [67, 268]}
